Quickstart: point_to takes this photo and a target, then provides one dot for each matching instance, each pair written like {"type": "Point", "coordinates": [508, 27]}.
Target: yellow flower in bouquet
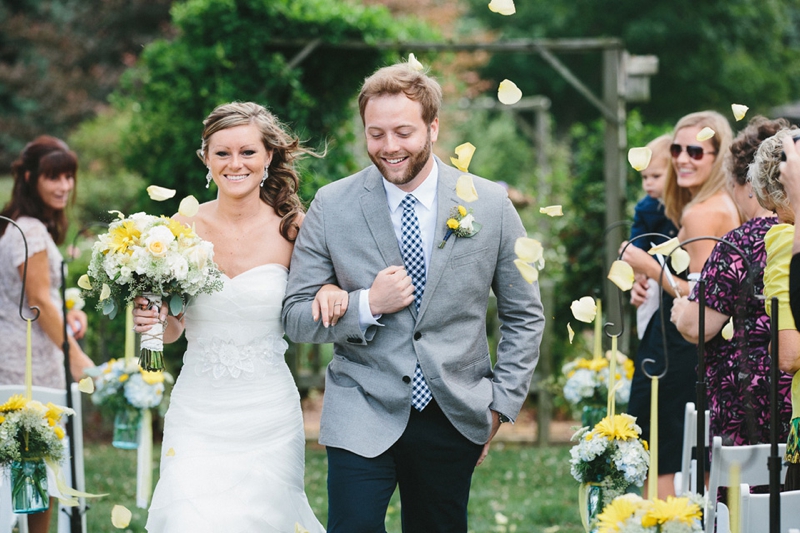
{"type": "Point", "coordinates": [619, 427]}
{"type": "Point", "coordinates": [15, 403]}
{"type": "Point", "coordinates": [617, 512]}
{"type": "Point", "coordinates": [672, 509]}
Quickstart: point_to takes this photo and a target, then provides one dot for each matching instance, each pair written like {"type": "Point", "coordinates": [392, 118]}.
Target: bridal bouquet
{"type": "Point", "coordinates": [150, 256]}
{"type": "Point", "coordinates": [587, 381]}
{"type": "Point", "coordinates": [611, 456]}
{"type": "Point", "coordinates": [632, 514]}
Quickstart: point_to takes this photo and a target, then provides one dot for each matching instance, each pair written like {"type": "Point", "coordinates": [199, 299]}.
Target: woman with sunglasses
{"type": "Point", "coordinates": [696, 200]}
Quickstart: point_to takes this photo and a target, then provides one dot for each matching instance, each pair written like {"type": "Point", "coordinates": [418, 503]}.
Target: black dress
{"type": "Point", "coordinates": [675, 389]}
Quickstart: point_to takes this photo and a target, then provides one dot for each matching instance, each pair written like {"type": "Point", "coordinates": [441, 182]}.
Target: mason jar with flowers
{"type": "Point", "coordinates": [31, 438]}
{"type": "Point", "coordinates": [125, 390]}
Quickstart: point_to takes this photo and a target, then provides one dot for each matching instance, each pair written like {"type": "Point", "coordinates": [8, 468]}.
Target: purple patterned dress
{"type": "Point", "coordinates": [738, 370]}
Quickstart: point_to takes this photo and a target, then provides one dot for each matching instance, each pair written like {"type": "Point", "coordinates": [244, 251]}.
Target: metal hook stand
{"type": "Point", "coordinates": [774, 463]}
{"type": "Point", "coordinates": [36, 311]}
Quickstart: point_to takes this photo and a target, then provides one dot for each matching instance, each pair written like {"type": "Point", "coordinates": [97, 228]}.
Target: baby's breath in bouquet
{"type": "Point", "coordinates": [632, 514]}
{"type": "Point", "coordinates": [155, 257]}
{"type": "Point", "coordinates": [610, 458]}
{"type": "Point", "coordinates": [586, 381]}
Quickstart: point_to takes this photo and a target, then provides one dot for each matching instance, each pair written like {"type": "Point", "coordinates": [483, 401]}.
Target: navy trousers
{"type": "Point", "coordinates": [432, 463]}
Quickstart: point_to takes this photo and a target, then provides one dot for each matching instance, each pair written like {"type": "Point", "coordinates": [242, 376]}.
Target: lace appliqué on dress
{"type": "Point", "coordinates": [224, 359]}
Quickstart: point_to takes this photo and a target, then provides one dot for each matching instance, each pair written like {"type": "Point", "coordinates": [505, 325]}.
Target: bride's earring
{"type": "Point", "coordinates": [266, 175]}
{"type": "Point", "coordinates": [208, 179]}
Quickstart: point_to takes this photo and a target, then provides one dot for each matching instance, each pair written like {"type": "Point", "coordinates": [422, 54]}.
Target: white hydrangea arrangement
{"type": "Point", "coordinates": [630, 513]}
{"type": "Point", "coordinates": [587, 380]}
{"type": "Point", "coordinates": [611, 454]}
{"type": "Point", "coordinates": [120, 386]}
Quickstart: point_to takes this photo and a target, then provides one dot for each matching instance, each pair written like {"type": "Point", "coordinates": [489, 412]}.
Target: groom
{"type": "Point", "coordinates": [411, 398]}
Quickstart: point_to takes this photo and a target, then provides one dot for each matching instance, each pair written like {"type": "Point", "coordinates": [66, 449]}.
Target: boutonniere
{"type": "Point", "coordinates": [461, 224]}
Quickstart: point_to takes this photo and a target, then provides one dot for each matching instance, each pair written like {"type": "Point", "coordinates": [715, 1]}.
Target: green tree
{"type": "Point", "coordinates": [229, 50]}
{"type": "Point", "coordinates": [711, 54]}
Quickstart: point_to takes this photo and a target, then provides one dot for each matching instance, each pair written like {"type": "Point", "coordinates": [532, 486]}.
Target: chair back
{"type": "Point", "coordinates": [753, 462]}
{"type": "Point", "coordinates": [687, 480]}
{"type": "Point", "coordinates": [754, 511]}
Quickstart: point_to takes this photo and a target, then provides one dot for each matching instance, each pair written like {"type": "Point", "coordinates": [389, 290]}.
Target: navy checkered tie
{"type": "Point", "coordinates": [414, 260]}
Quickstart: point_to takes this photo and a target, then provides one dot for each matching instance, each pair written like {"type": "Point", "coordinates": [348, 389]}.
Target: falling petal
{"type": "Point", "coordinates": [727, 331]}
{"type": "Point", "coordinates": [105, 292]}
{"type": "Point", "coordinates": [464, 153]}
{"type": "Point", "coordinates": [528, 271]}
{"type": "Point", "coordinates": [159, 194]}
{"type": "Point", "coordinates": [501, 519]}
{"type": "Point", "coordinates": [508, 93]}
{"type": "Point", "coordinates": [414, 63]}
{"type": "Point", "coordinates": [739, 111]}
{"type": "Point", "coordinates": [528, 250]}
{"type": "Point", "coordinates": [621, 274]}
{"type": "Point", "coordinates": [680, 260]}
{"type": "Point", "coordinates": [639, 158]}
{"type": "Point", "coordinates": [118, 213]}
{"type": "Point", "coordinates": [170, 452]}
{"type": "Point", "coordinates": [665, 248]}
{"type": "Point", "coordinates": [705, 134]}
{"type": "Point", "coordinates": [120, 516]}
{"type": "Point", "coordinates": [84, 282]}
{"type": "Point", "coordinates": [570, 332]}
{"type": "Point", "coordinates": [86, 385]}
{"type": "Point", "coordinates": [465, 188]}
{"type": "Point", "coordinates": [502, 7]}
{"type": "Point", "coordinates": [299, 529]}
{"type": "Point", "coordinates": [552, 210]}
{"type": "Point", "coordinates": [584, 309]}
{"type": "Point", "coordinates": [189, 206]}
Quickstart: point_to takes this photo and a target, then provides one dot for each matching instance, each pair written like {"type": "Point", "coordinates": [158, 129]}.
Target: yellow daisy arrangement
{"type": "Point", "coordinates": [30, 429]}
{"type": "Point", "coordinates": [632, 514]}
{"type": "Point", "coordinates": [587, 381]}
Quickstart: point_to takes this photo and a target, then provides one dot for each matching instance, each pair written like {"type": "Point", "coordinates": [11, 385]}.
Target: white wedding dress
{"type": "Point", "coordinates": [234, 449]}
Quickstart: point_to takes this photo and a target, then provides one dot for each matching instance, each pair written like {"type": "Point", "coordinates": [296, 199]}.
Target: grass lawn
{"type": "Point", "coordinates": [530, 486]}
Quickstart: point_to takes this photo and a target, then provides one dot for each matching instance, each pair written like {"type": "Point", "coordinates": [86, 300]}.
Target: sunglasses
{"type": "Point", "coordinates": [693, 151]}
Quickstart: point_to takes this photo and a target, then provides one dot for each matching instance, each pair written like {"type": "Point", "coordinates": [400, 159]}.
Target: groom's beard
{"type": "Point", "coordinates": [416, 161]}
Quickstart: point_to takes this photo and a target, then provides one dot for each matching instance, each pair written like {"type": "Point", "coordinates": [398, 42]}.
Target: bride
{"type": "Point", "coordinates": [234, 447]}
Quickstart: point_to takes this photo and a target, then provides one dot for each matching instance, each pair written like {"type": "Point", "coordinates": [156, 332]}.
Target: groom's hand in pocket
{"type": "Point", "coordinates": [391, 291]}
{"type": "Point", "coordinates": [495, 427]}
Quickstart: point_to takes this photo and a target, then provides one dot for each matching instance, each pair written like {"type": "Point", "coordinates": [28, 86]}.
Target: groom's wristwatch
{"type": "Point", "coordinates": [503, 418]}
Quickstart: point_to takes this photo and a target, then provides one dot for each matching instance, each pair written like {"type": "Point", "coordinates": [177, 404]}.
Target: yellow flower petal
{"type": "Point", "coordinates": [414, 63]}
{"type": "Point", "coordinates": [170, 452]}
{"type": "Point", "coordinates": [84, 282]}
{"type": "Point", "coordinates": [189, 206]}
{"type": "Point", "coordinates": [120, 516]}
{"type": "Point", "coordinates": [59, 431]}
{"type": "Point", "coordinates": [528, 250]}
{"type": "Point", "coordinates": [639, 158]}
{"type": "Point", "coordinates": [621, 274]}
{"type": "Point", "coordinates": [584, 309]}
{"type": "Point", "coordinates": [665, 248]}
{"type": "Point", "coordinates": [464, 153]}
{"type": "Point", "coordinates": [570, 332]}
{"type": "Point", "coordinates": [705, 134]}
{"type": "Point", "coordinates": [727, 331]}
{"type": "Point", "coordinates": [299, 529]}
{"type": "Point", "coordinates": [529, 272]}
{"type": "Point", "coordinates": [502, 7]}
{"type": "Point", "coordinates": [465, 188]}
{"type": "Point", "coordinates": [739, 111]}
{"type": "Point", "coordinates": [119, 214]}
{"type": "Point", "coordinates": [508, 93]}
{"type": "Point", "coordinates": [680, 260]}
{"type": "Point", "coordinates": [159, 194]}
{"type": "Point", "coordinates": [552, 210]}
{"type": "Point", "coordinates": [105, 292]}
{"type": "Point", "coordinates": [86, 385]}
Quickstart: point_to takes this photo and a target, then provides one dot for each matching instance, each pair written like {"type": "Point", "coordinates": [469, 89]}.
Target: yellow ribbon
{"type": "Point", "coordinates": [652, 478]}
{"type": "Point", "coordinates": [598, 331]}
{"type": "Point", "coordinates": [734, 497]}
{"type": "Point", "coordinates": [29, 365]}
{"type": "Point", "coordinates": [68, 495]}
{"type": "Point", "coordinates": [612, 379]}
{"type": "Point", "coordinates": [130, 339]}
{"type": "Point", "coordinates": [144, 461]}
{"type": "Point", "coordinates": [583, 503]}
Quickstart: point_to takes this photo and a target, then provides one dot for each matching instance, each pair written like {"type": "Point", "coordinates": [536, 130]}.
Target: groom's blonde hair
{"type": "Point", "coordinates": [402, 78]}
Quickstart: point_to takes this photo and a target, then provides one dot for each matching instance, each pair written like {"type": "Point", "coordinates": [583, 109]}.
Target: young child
{"type": "Point", "coordinates": [649, 217]}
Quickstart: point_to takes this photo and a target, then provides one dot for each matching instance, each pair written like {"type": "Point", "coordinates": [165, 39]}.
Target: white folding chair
{"type": "Point", "coordinates": [753, 465]}
{"type": "Point", "coordinates": [754, 511]}
{"type": "Point", "coordinates": [686, 480]}
{"type": "Point", "coordinates": [58, 397]}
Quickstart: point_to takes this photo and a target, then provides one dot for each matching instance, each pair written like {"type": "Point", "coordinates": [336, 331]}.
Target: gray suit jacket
{"type": "Point", "coordinates": [346, 239]}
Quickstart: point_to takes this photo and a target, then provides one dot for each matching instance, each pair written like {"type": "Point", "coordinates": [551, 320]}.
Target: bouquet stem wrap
{"type": "Point", "coordinates": [151, 357]}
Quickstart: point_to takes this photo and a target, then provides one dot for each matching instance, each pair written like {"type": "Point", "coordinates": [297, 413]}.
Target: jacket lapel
{"type": "Point", "coordinates": [376, 213]}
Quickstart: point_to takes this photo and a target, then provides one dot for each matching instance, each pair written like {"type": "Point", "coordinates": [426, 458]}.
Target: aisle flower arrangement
{"type": "Point", "coordinates": [155, 257]}
{"type": "Point", "coordinates": [586, 382]}
{"type": "Point", "coordinates": [610, 456]}
{"type": "Point", "coordinates": [632, 514]}
{"type": "Point", "coordinates": [119, 386]}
